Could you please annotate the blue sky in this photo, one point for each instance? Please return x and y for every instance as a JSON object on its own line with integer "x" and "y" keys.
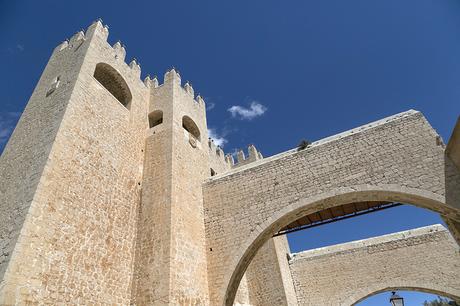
{"x": 411, "y": 298}
{"x": 272, "y": 72}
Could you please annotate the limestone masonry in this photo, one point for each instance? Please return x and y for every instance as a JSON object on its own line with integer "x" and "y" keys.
{"x": 111, "y": 193}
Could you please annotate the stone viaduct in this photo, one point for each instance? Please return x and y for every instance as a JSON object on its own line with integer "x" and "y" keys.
{"x": 112, "y": 193}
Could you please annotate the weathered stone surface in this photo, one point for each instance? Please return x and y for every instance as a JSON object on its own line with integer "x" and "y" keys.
{"x": 79, "y": 179}
{"x": 269, "y": 277}
{"x": 100, "y": 205}
{"x": 453, "y": 146}
{"x": 395, "y": 159}
{"x": 426, "y": 259}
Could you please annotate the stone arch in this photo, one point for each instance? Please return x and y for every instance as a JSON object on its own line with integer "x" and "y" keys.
{"x": 190, "y": 126}
{"x": 364, "y": 293}
{"x": 112, "y": 80}
{"x": 328, "y": 199}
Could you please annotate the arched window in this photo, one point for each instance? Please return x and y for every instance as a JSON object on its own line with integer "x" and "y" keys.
{"x": 113, "y": 82}
{"x": 190, "y": 126}
{"x": 155, "y": 118}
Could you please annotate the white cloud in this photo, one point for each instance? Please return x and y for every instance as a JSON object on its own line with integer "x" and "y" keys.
{"x": 210, "y": 105}
{"x": 255, "y": 110}
{"x": 18, "y": 48}
{"x": 219, "y": 140}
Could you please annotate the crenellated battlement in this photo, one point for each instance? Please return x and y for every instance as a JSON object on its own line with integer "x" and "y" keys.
{"x": 253, "y": 153}
{"x": 173, "y": 76}
{"x": 80, "y": 35}
{"x": 151, "y": 82}
{"x": 218, "y": 161}
{"x": 120, "y": 51}
{"x": 101, "y": 31}
{"x": 189, "y": 89}
{"x": 216, "y": 150}
{"x": 200, "y": 100}
{"x": 135, "y": 66}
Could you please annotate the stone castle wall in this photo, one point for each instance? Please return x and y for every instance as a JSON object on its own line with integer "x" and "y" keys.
{"x": 424, "y": 259}
{"x": 98, "y": 208}
{"x": 25, "y": 156}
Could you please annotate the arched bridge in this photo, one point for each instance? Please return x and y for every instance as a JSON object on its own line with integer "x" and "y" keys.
{"x": 397, "y": 159}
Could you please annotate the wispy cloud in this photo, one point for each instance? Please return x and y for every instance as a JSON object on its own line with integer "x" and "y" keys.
{"x": 18, "y": 48}
{"x": 219, "y": 139}
{"x": 210, "y": 105}
{"x": 7, "y": 122}
{"x": 255, "y": 110}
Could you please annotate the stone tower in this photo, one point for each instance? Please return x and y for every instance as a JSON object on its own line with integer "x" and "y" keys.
{"x": 171, "y": 263}
{"x": 102, "y": 177}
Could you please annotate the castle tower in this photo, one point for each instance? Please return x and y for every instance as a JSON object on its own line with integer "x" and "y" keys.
{"x": 70, "y": 179}
{"x": 100, "y": 184}
{"x": 171, "y": 257}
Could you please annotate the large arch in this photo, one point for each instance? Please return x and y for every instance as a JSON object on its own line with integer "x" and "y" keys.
{"x": 303, "y": 207}
{"x": 397, "y": 159}
{"x": 363, "y": 294}
{"x": 190, "y": 126}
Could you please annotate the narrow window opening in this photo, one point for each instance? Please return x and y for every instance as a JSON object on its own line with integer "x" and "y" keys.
{"x": 108, "y": 77}
{"x": 54, "y": 85}
{"x": 191, "y": 127}
{"x": 213, "y": 172}
{"x": 155, "y": 118}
